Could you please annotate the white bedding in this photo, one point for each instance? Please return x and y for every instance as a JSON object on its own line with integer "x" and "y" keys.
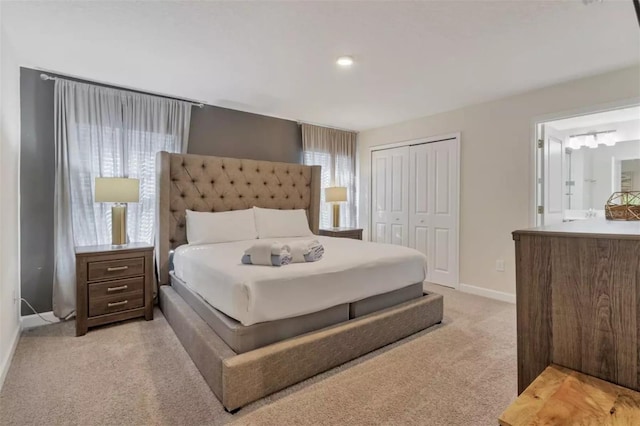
{"x": 350, "y": 270}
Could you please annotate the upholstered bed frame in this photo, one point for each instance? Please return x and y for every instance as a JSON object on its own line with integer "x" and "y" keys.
{"x": 215, "y": 184}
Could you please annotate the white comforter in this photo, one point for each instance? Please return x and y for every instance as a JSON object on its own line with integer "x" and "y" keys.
{"x": 350, "y": 270}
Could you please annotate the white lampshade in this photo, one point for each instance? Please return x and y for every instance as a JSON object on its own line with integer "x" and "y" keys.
{"x": 117, "y": 190}
{"x": 608, "y": 139}
{"x": 590, "y": 141}
{"x": 335, "y": 194}
{"x": 576, "y": 142}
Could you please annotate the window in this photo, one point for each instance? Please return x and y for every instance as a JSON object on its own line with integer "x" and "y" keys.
{"x": 104, "y": 132}
{"x": 102, "y": 153}
{"x": 335, "y": 151}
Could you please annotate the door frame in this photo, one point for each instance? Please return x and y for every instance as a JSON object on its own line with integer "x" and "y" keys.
{"x": 431, "y": 139}
{"x": 534, "y": 162}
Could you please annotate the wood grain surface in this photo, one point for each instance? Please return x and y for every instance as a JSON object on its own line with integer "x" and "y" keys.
{"x": 353, "y": 233}
{"x": 533, "y": 313}
{"x": 577, "y": 306}
{"x": 111, "y": 269}
{"x": 560, "y": 396}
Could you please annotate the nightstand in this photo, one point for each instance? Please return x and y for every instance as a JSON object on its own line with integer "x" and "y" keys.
{"x": 354, "y": 233}
{"x": 113, "y": 284}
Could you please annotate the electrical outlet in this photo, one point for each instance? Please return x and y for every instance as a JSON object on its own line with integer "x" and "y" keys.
{"x": 500, "y": 265}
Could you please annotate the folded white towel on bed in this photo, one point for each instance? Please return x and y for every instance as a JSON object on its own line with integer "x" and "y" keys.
{"x": 278, "y": 254}
{"x": 276, "y": 259}
{"x": 261, "y": 252}
{"x": 316, "y": 251}
{"x": 305, "y": 251}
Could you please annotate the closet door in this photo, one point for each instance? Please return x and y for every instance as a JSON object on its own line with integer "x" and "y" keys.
{"x": 420, "y": 202}
{"x": 390, "y": 196}
{"x": 433, "y": 208}
{"x": 444, "y": 269}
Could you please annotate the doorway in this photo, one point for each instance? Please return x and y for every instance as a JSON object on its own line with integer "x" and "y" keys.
{"x": 582, "y": 160}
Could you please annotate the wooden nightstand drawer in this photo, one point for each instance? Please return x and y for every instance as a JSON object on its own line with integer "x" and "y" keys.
{"x": 117, "y": 287}
{"x": 110, "y": 269}
{"x": 116, "y": 303}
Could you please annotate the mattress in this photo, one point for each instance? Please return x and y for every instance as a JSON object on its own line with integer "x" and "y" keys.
{"x": 242, "y": 338}
{"x": 350, "y": 271}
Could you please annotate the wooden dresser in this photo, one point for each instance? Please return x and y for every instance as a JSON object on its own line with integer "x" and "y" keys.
{"x": 577, "y": 292}
{"x": 113, "y": 284}
{"x": 354, "y": 233}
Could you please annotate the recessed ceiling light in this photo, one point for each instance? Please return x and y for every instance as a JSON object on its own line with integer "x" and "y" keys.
{"x": 345, "y": 61}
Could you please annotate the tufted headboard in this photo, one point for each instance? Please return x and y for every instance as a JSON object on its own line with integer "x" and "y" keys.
{"x": 216, "y": 184}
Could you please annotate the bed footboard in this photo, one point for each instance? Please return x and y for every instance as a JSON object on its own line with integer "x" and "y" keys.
{"x": 238, "y": 380}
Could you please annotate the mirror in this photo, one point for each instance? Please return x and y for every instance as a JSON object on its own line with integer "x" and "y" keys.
{"x": 630, "y": 175}
{"x": 593, "y": 174}
{"x": 582, "y": 160}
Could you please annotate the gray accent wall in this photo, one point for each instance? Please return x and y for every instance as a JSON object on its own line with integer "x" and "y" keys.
{"x": 214, "y": 131}
{"x": 37, "y": 157}
{"x": 230, "y": 133}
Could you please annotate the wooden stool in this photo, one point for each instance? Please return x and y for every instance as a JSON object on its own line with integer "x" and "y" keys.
{"x": 560, "y": 396}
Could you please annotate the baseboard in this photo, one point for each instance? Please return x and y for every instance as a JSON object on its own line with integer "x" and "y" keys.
{"x": 6, "y": 362}
{"x": 485, "y": 292}
{"x": 30, "y": 321}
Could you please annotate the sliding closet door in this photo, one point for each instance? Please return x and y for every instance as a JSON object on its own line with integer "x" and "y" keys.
{"x": 420, "y": 203}
{"x": 389, "y": 196}
{"x": 433, "y": 208}
{"x": 444, "y": 269}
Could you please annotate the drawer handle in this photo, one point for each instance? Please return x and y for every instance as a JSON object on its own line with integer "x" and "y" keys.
{"x": 122, "y": 287}
{"x": 117, "y": 268}
{"x": 111, "y": 305}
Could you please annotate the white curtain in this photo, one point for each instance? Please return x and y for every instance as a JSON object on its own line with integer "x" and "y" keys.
{"x": 102, "y": 132}
{"x": 334, "y": 150}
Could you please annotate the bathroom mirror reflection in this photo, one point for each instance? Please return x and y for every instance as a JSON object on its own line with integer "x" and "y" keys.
{"x": 593, "y": 174}
{"x": 630, "y": 175}
{"x": 583, "y": 160}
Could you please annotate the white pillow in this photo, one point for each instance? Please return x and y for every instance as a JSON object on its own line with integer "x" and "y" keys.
{"x": 272, "y": 223}
{"x": 222, "y": 227}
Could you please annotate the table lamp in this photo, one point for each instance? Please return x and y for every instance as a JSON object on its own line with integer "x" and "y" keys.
{"x": 335, "y": 195}
{"x": 118, "y": 191}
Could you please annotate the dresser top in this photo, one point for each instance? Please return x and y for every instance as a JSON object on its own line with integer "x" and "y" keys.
{"x": 592, "y": 228}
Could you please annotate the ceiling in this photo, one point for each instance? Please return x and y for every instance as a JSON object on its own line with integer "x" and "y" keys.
{"x": 412, "y": 58}
{"x": 598, "y": 119}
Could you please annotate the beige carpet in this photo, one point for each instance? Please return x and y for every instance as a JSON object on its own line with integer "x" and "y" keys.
{"x": 462, "y": 372}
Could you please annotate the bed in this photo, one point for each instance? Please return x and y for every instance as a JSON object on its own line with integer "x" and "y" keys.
{"x": 254, "y": 330}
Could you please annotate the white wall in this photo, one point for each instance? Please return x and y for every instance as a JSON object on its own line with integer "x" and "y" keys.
{"x": 497, "y": 165}
{"x": 9, "y": 226}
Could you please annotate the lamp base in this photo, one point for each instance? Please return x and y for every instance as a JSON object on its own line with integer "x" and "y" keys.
{"x": 336, "y": 215}
{"x": 119, "y": 225}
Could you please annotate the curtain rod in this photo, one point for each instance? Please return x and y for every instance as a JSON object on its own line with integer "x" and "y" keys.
{"x": 46, "y": 77}
{"x": 328, "y": 127}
